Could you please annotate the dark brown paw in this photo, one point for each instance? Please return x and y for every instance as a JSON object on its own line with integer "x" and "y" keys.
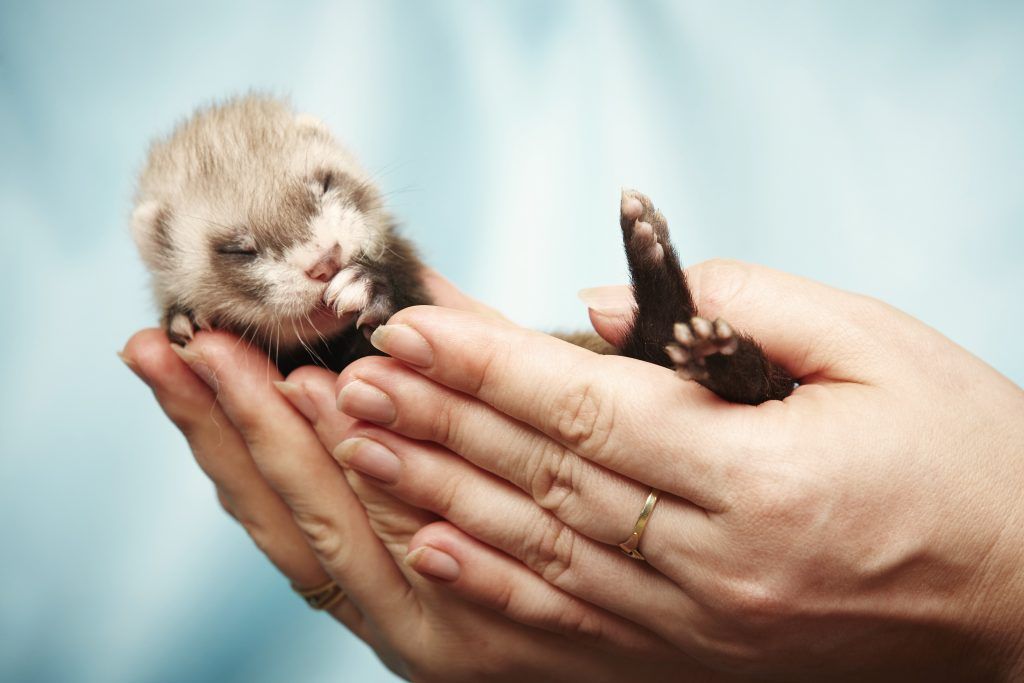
{"x": 695, "y": 341}
{"x": 180, "y": 327}
{"x": 644, "y": 230}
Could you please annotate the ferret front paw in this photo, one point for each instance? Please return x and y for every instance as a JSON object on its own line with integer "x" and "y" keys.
{"x": 180, "y": 326}
{"x": 348, "y": 292}
{"x": 353, "y": 290}
{"x": 695, "y": 341}
{"x": 381, "y": 308}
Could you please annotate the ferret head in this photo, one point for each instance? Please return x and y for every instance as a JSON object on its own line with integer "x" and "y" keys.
{"x": 248, "y": 216}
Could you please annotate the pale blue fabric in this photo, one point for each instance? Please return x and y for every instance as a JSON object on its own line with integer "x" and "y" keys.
{"x": 874, "y": 146}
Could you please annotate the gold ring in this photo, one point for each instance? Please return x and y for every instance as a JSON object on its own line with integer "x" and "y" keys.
{"x": 630, "y": 544}
{"x": 321, "y": 597}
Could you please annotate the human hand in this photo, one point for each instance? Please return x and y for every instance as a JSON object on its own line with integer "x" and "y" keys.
{"x": 870, "y": 523}
{"x": 274, "y": 477}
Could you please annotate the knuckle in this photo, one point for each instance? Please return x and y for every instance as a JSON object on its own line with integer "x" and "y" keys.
{"x": 785, "y": 498}
{"x": 550, "y": 550}
{"x": 441, "y": 429}
{"x": 753, "y": 601}
{"x": 261, "y": 536}
{"x": 583, "y": 418}
{"x": 445, "y": 497}
{"x": 552, "y": 474}
{"x": 494, "y": 361}
{"x": 323, "y": 537}
{"x": 503, "y": 599}
{"x": 226, "y": 505}
{"x": 580, "y": 622}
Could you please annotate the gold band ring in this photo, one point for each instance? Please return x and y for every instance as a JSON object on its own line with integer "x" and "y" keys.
{"x": 321, "y": 597}
{"x": 629, "y": 546}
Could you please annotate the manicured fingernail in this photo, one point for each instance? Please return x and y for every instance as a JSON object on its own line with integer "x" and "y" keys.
{"x": 365, "y": 402}
{"x": 300, "y": 400}
{"x": 370, "y": 458}
{"x": 404, "y": 343}
{"x": 434, "y": 563}
{"x": 612, "y": 300}
{"x": 132, "y": 365}
{"x": 198, "y": 365}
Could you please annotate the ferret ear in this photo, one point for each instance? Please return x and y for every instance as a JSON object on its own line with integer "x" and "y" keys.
{"x": 151, "y": 231}
{"x": 312, "y": 124}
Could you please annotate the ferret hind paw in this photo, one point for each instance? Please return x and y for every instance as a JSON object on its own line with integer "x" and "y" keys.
{"x": 644, "y": 228}
{"x": 695, "y": 341}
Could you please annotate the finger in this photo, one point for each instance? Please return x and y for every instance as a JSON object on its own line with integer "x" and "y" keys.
{"x": 612, "y": 311}
{"x": 483, "y": 575}
{"x": 311, "y": 390}
{"x": 594, "y": 501}
{"x": 795, "y": 319}
{"x": 223, "y": 456}
{"x": 591, "y": 404}
{"x": 343, "y": 609}
{"x": 497, "y": 514}
{"x": 289, "y": 456}
{"x": 813, "y": 330}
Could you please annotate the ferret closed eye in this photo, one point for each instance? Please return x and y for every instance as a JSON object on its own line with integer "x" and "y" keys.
{"x": 255, "y": 220}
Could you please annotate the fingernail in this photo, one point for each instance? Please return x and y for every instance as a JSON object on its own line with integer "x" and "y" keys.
{"x": 404, "y": 343}
{"x": 370, "y": 458}
{"x": 433, "y": 562}
{"x": 300, "y": 400}
{"x": 132, "y": 365}
{"x": 364, "y": 402}
{"x": 611, "y": 300}
{"x": 198, "y": 365}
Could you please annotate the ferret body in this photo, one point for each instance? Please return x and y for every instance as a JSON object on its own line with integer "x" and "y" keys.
{"x": 255, "y": 220}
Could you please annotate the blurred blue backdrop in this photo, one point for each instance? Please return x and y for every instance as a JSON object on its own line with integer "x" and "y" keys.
{"x": 875, "y": 146}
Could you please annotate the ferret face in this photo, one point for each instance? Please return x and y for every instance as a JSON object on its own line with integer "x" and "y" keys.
{"x": 250, "y": 219}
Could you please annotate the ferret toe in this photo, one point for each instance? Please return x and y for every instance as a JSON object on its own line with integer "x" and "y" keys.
{"x": 630, "y": 206}
{"x": 347, "y": 292}
{"x": 181, "y": 329}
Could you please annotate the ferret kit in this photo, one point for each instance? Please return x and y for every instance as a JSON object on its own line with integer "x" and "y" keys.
{"x": 255, "y": 220}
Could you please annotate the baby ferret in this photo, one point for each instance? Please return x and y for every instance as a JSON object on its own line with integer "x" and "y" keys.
{"x": 254, "y": 219}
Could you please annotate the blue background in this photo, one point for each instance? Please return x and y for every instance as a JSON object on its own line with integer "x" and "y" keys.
{"x": 875, "y": 146}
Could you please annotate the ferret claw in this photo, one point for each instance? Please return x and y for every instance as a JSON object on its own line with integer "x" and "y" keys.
{"x": 367, "y": 318}
{"x": 181, "y": 329}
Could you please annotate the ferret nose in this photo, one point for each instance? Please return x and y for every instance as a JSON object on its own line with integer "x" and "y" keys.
{"x": 327, "y": 267}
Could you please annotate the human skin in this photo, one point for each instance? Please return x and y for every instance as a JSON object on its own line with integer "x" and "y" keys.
{"x": 276, "y": 479}
{"x": 870, "y": 524}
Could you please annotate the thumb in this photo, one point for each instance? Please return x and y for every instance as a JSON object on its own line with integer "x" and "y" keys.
{"x": 813, "y": 330}
{"x": 612, "y": 310}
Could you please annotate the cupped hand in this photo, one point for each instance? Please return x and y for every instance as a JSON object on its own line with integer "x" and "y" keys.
{"x": 273, "y": 476}
{"x": 870, "y": 523}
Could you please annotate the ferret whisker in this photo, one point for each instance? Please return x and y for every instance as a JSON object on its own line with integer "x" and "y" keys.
{"x": 315, "y": 328}
{"x": 277, "y": 351}
{"x": 309, "y": 349}
{"x": 241, "y": 337}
